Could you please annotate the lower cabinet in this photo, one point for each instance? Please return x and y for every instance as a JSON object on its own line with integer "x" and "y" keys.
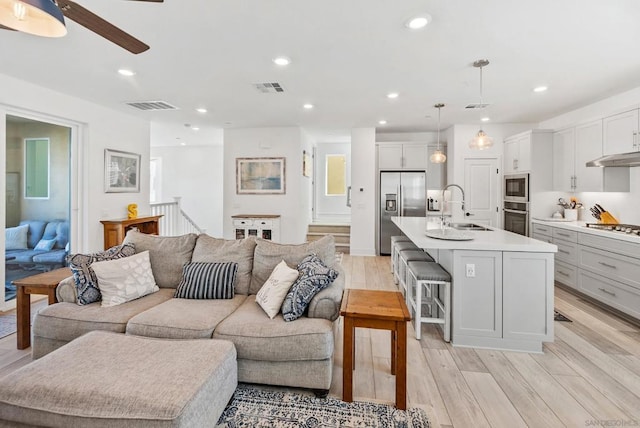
{"x": 610, "y": 292}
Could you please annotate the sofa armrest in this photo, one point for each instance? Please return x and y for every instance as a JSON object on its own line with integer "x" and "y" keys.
{"x": 66, "y": 291}
{"x": 326, "y": 304}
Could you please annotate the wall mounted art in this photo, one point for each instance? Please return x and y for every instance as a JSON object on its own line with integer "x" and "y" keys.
{"x": 260, "y": 176}
{"x": 121, "y": 172}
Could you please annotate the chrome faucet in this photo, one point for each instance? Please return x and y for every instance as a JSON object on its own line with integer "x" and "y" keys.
{"x": 443, "y": 201}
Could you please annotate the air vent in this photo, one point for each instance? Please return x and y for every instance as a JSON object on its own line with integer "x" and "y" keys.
{"x": 269, "y": 88}
{"x": 477, "y": 106}
{"x": 152, "y": 105}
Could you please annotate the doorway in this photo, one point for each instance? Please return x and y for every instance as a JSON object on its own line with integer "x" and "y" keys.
{"x": 38, "y": 183}
{"x": 332, "y": 183}
{"x": 481, "y": 188}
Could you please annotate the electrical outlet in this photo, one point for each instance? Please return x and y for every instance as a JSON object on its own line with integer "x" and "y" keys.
{"x": 471, "y": 270}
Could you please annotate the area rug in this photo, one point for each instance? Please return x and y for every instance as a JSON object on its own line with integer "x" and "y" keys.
{"x": 251, "y": 406}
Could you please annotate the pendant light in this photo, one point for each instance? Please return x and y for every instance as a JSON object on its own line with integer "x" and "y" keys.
{"x": 481, "y": 140}
{"x": 438, "y": 156}
{"x": 37, "y": 17}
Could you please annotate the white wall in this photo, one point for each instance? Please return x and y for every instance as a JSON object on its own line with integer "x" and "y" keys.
{"x": 363, "y": 191}
{"x": 294, "y": 206}
{"x": 195, "y": 173}
{"x": 624, "y": 206}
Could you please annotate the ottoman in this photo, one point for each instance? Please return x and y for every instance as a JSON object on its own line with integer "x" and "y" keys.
{"x": 105, "y": 379}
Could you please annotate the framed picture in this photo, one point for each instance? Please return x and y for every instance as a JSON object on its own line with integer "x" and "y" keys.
{"x": 306, "y": 164}
{"x": 121, "y": 172}
{"x": 260, "y": 176}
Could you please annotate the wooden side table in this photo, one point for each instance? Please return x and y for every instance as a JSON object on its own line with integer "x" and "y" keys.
{"x": 384, "y": 310}
{"x": 42, "y": 283}
{"x": 116, "y": 230}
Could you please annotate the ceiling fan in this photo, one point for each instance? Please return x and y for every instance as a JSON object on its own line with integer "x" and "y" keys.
{"x": 44, "y": 18}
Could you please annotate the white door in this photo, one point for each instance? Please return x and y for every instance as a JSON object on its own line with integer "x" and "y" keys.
{"x": 332, "y": 183}
{"x": 481, "y": 190}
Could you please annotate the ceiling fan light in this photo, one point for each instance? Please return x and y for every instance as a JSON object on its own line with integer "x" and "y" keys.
{"x": 438, "y": 157}
{"x": 37, "y": 17}
{"x": 481, "y": 141}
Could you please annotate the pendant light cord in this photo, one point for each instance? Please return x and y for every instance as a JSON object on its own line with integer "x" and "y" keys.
{"x": 439, "y": 127}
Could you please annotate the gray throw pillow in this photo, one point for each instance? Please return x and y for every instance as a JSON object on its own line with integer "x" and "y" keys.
{"x": 314, "y": 277}
{"x": 85, "y": 278}
{"x": 202, "y": 280}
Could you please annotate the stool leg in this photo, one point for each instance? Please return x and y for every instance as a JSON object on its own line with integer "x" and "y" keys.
{"x": 418, "y": 316}
{"x": 447, "y": 312}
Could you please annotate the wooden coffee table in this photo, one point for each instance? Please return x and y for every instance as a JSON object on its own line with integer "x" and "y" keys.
{"x": 42, "y": 283}
{"x": 384, "y": 310}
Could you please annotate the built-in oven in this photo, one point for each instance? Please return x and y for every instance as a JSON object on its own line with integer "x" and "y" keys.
{"x": 516, "y": 217}
{"x": 516, "y": 187}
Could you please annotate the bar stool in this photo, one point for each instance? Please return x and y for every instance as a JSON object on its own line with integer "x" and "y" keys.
{"x": 406, "y": 256}
{"x": 395, "y": 253}
{"x": 431, "y": 276}
{"x": 394, "y": 240}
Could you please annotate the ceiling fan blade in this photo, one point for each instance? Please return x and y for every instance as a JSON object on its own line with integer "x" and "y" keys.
{"x": 93, "y": 22}
{"x": 2, "y": 27}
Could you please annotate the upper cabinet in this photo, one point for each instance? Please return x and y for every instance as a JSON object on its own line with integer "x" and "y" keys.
{"x": 399, "y": 156}
{"x": 572, "y": 149}
{"x": 621, "y": 133}
{"x": 517, "y": 153}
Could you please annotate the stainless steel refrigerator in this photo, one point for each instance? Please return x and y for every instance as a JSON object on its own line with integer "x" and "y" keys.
{"x": 401, "y": 194}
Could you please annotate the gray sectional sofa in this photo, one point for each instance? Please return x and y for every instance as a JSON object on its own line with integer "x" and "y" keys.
{"x": 269, "y": 351}
{"x": 57, "y": 230}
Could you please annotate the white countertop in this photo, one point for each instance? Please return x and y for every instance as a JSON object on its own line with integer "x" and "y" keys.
{"x": 490, "y": 240}
{"x": 579, "y": 226}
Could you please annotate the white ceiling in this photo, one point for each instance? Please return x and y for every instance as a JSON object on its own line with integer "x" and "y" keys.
{"x": 346, "y": 56}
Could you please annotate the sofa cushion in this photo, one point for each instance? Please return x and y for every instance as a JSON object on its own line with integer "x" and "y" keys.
{"x": 15, "y": 238}
{"x": 125, "y": 279}
{"x": 273, "y": 292}
{"x": 167, "y": 253}
{"x": 50, "y": 257}
{"x": 23, "y": 256}
{"x": 268, "y": 254}
{"x": 202, "y": 280}
{"x": 257, "y": 337}
{"x": 66, "y": 321}
{"x": 62, "y": 235}
{"x": 85, "y": 277}
{"x": 314, "y": 277}
{"x": 45, "y": 244}
{"x": 36, "y": 231}
{"x": 183, "y": 319}
{"x": 210, "y": 249}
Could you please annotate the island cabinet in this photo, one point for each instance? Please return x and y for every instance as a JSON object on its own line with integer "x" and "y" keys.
{"x": 503, "y": 299}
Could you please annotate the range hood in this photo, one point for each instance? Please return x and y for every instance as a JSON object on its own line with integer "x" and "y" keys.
{"x": 623, "y": 159}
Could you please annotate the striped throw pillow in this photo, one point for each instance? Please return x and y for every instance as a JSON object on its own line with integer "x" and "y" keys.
{"x": 207, "y": 281}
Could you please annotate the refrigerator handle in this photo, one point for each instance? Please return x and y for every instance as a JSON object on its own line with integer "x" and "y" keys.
{"x": 400, "y": 202}
{"x": 349, "y": 196}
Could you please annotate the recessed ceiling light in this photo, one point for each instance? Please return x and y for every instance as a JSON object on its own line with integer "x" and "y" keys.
{"x": 281, "y": 61}
{"x": 540, "y": 89}
{"x": 126, "y": 72}
{"x": 485, "y": 119}
{"x": 392, "y": 95}
{"x": 183, "y": 144}
{"x": 308, "y": 106}
{"x": 418, "y": 22}
{"x": 201, "y": 110}
{"x": 382, "y": 122}
{"x": 195, "y": 128}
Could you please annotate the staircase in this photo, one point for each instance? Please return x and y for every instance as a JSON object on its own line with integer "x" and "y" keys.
{"x": 341, "y": 233}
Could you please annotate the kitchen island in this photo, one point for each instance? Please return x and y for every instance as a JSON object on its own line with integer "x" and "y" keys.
{"x": 502, "y": 285}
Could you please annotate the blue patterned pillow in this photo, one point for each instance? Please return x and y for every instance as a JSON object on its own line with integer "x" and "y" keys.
{"x": 314, "y": 277}
{"x": 202, "y": 280}
{"x": 85, "y": 278}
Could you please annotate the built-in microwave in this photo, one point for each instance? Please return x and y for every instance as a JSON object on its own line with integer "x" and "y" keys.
{"x": 516, "y": 187}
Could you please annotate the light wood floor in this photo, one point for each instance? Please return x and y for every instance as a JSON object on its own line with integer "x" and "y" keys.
{"x": 589, "y": 376}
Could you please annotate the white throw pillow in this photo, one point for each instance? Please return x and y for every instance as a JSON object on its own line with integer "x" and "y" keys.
{"x": 15, "y": 238}
{"x": 275, "y": 289}
{"x": 124, "y": 279}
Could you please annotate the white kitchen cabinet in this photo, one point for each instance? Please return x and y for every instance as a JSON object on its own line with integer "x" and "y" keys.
{"x": 620, "y": 132}
{"x": 402, "y": 156}
{"x": 517, "y": 154}
{"x": 572, "y": 149}
{"x": 436, "y": 172}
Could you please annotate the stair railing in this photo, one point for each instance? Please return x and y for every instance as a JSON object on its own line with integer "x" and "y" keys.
{"x": 174, "y": 221}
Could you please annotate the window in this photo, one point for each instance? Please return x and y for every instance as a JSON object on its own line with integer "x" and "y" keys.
{"x": 36, "y": 168}
{"x": 336, "y": 182}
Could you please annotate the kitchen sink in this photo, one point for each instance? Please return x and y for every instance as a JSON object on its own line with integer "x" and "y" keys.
{"x": 469, "y": 226}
